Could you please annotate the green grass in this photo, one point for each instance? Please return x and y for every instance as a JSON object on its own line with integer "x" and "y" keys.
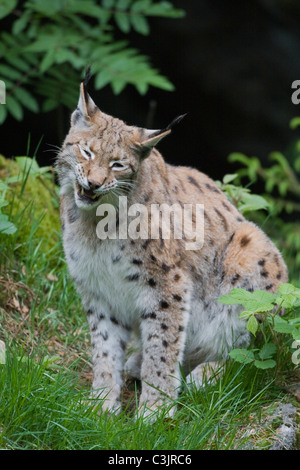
{"x": 45, "y": 408}
{"x": 46, "y": 380}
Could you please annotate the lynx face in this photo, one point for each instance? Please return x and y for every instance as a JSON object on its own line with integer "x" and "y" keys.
{"x": 92, "y": 167}
{"x": 98, "y": 172}
{"x": 101, "y": 154}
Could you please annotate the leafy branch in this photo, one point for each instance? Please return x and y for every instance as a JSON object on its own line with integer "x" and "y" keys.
{"x": 26, "y": 167}
{"x": 242, "y": 197}
{"x": 51, "y": 43}
{"x": 281, "y": 180}
{"x": 262, "y": 309}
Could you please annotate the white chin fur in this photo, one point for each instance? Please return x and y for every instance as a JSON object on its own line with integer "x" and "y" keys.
{"x": 85, "y": 205}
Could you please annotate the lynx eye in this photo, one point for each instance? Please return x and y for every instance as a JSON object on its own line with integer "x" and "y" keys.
{"x": 86, "y": 153}
{"x": 118, "y": 166}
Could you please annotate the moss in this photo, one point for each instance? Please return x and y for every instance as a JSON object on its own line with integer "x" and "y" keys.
{"x": 33, "y": 204}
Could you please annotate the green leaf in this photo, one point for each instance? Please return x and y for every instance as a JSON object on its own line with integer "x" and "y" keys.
{"x": 165, "y": 9}
{"x": 256, "y": 302}
{"x": 236, "y": 296}
{"x": 3, "y": 203}
{"x": 252, "y": 325}
{"x": 142, "y": 87}
{"x": 108, "y": 3}
{"x": 267, "y": 364}
{"x": 239, "y": 157}
{"x": 49, "y": 362}
{"x": 14, "y": 108}
{"x": 18, "y": 63}
{"x": 286, "y": 288}
{"x": 47, "y": 8}
{"x": 140, "y": 24}
{"x": 30, "y": 165}
{"x": 48, "y": 105}
{"x": 48, "y": 60}
{"x": 280, "y": 158}
{"x": 118, "y": 85}
{"x": 267, "y": 351}
{"x": 6, "y": 7}
{"x": 6, "y": 226}
{"x": 123, "y": 22}
{"x": 27, "y": 99}
{"x": 123, "y": 4}
{"x": 14, "y": 179}
{"x": 296, "y": 334}
{"x": 20, "y": 24}
{"x": 243, "y": 356}
{"x": 9, "y": 72}
{"x": 3, "y": 113}
{"x": 245, "y": 315}
{"x": 102, "y": 79}
{"x": 27, "y": 164}
{"x": 141, "y": 6}
{"x": 160, "y": 81}
{"x": 295, "y": 122}
{"x": 253, "y": 202}
{"x": 4, "y": 185}
{"x": 288, "y": 300}
{"x": 87, "y": 7}
{"x": 46, "y": 42}
{"x": 229, "y": 178}
{"x": 283, "y": 326}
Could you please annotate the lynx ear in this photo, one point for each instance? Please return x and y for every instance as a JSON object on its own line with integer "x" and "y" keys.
{"x": 154, "y": 136}
{"x": 86, "y": 106}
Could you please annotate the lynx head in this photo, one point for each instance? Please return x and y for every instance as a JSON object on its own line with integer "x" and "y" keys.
{"x": 101, "y": 154}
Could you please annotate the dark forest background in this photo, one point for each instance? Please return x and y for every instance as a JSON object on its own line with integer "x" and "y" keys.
{"x": 232, "y": 64}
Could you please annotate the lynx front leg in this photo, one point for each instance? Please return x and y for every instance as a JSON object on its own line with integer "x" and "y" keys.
{"x": 108, "y": 340}
{"x": 163, "y": 337}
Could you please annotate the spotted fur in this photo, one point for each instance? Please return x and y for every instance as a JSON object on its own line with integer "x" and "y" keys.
{"x": 153, "y": 290}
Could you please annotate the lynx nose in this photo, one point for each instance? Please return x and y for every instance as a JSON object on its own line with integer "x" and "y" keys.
{"x": 94, "y": 184}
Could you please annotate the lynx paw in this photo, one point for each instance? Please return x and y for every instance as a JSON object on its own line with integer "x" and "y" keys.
{"x": 109, "y": 401}
{"x": 149, "y": 410}
{"x": 204, "y": 374}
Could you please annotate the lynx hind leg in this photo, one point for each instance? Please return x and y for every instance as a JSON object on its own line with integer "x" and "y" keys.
{"x": 252, "y": 261}
{"x": 133, "y": 364}
{"x": 205, "y": 373}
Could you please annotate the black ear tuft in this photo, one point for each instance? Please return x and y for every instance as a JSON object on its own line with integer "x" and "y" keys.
{"x": 87, "y": 76}
{"x": 175, "y": 121}
{"x": 86, "y": 80}
{"x": 170, "y": 126}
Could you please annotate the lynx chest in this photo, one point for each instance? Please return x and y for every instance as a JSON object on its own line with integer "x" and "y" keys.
{"x": 105, "y": 277}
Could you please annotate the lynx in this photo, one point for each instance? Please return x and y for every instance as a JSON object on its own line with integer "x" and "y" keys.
{"x": 153, "y": 290}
